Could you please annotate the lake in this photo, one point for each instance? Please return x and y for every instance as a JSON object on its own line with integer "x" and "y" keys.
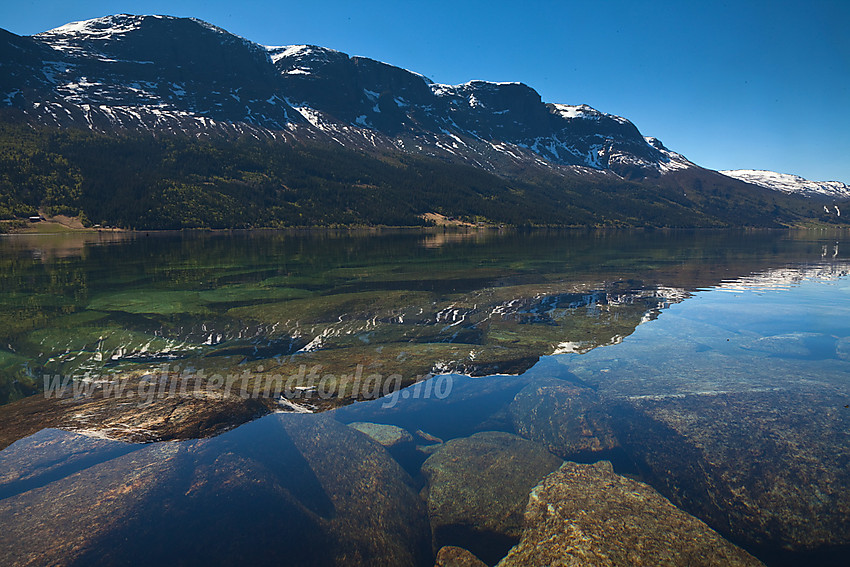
{"x": 374, "y": 397}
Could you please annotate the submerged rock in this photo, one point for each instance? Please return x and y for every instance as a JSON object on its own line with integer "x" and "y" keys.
{"x": 478, "y": 487}
{"x": 793, "y": 345}
{"x": 842, "y": 348}
{"x": 586, "y": 515}
{"x": 386, "y": 435}
{"x": 566, "y": 418}
{"x": 770, "y": 469}
{"x": 302, "y": 490}
{"x": 451, "y": 556}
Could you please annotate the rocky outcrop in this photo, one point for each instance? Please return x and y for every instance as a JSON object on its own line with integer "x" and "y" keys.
{"x": 478, "y": 487}
{"x": 566, "y": 418}
{"x": 586, "y": 515}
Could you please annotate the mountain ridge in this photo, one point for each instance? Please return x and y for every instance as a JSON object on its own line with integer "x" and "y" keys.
{"x": 126, "y": 75}
{"x": 105, "y": 70}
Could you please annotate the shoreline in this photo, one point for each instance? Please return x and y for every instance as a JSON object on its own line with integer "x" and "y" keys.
{"x": 52, "y": 227}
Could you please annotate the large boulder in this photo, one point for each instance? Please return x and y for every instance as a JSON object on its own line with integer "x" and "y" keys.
{"x": 566, "y": 418}
{"x": 586, "y": 516}
{"x": 767, "y": 468}
{"x": 287, "y": 488}
{"x": 478, "y": 487}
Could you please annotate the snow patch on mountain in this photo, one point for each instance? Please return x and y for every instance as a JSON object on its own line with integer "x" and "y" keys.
{"x": 788, "y": 183}
{"x": 98, "y": 28}
{"x": 671, "y": 161}
{"x": 570, "y": 111}
{"x": 308, "y": 52}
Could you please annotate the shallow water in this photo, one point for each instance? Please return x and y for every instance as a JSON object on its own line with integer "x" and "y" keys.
{"x": 713, "y": 366}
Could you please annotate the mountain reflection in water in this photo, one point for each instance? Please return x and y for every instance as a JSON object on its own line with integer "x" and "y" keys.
{"x": 721, "y": 382}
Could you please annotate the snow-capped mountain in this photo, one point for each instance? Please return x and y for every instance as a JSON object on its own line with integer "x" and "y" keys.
{"x": 788, "y": 183}
{"x": 167, "y": 74}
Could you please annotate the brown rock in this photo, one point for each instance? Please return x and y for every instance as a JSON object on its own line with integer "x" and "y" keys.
{"x": 478, "y": 487}
{"x": 451, "y": 556}
{"x": 768, "y": 468}
{"x": 586, "y": 515}
{"x": 566, "y": 418}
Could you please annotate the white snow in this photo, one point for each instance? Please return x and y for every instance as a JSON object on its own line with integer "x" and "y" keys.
{"x": 314, "y": 52}
{"x": 577, "y": 111}
{"x": 278, "y": 53}
{"x": 788, "y": 183}
{"x": 674, "y": 161}
{"x": 97, "y": 28}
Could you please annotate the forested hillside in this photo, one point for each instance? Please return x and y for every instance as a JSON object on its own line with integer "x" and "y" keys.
{"x": 139, "y": 181}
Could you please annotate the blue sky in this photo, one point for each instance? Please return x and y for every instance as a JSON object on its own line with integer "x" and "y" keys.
{"x": 731, "y": 85}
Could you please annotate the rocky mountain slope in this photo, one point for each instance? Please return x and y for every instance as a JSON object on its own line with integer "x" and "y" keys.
{"x": 164, "y": 73}
{"x": 127, "y": 74}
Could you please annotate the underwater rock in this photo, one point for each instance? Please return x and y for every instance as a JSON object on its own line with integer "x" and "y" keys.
{"x": 429, "y": 449}
{"x": 793, "y": 345}
{"x": 287, "y": 488}
{"x": 760, "y": 467}
{"x": 52, "y": 454}
{"x": 451, "y": 556}
{"x": 386, "y": 435}
{"x": 478, "y": 487}
{"x": 842, "y": 348}
{"x": 425, "y": 436}
{"x": 586, "y": 515}
{"x": 566, "y": 418}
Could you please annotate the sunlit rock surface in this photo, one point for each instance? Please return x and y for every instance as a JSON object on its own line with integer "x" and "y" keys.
{"x": 586, "y": 515}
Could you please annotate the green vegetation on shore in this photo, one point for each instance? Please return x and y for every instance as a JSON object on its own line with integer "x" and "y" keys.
{"x": 138, "y": 181}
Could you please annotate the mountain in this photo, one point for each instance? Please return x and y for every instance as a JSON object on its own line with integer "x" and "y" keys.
{"x": 788, "y": 183}
{"x": 164, "y": 73}
{"x": 492, "y": 146}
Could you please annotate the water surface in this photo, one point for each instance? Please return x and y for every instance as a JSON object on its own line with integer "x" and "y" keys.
{"x": 712, "y": 365}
